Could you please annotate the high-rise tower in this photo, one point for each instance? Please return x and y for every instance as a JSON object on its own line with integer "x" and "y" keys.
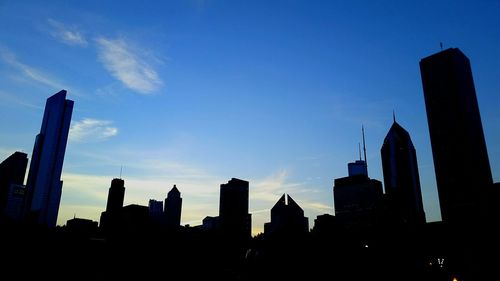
{"x": 44, "y": 185}
{"x": 173, "y": 207}
{"x": 401, "y": 179}
{"x": 460, "y": 157}
{"x": 235, "y": 221}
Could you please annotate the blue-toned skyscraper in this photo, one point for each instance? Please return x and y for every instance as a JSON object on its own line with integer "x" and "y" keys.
{"x": 44, "y": 185}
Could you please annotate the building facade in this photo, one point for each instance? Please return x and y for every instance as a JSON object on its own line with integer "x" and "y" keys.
{"x": 401, "y": 178}
{"x": 461, "y": 162}
{"x": 173, "y": 207}
{"x": 44, "y": 185}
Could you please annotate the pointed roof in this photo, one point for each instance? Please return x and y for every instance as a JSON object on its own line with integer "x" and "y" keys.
{"x": 174, "y": 190}
{"x": 397, "y": 132}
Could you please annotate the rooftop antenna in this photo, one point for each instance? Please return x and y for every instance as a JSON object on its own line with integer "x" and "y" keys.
{"x": 359, "y": 148}
{"x": 441, "y": 45}
{"x": 121, "y": 169}
{"x": 364, "y": 145}
{"x": 393, "y": 116}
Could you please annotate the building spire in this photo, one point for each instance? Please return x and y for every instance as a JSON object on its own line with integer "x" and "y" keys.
{"x": 359, "y": 149}
{"x": 121, "y": 169}
{"x": 393, "y": 116}
{"x": 364, "y": 145}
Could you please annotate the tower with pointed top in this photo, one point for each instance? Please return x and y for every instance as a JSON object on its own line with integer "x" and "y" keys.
{"x": 287, "y": 219}
{"x": 401, "y": 178}
{"x": 173, "y": 208}
{"x": 461, "y": 164}
{"x": 44, "y": 185}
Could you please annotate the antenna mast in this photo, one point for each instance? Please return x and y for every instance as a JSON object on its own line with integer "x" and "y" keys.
{"x": 359, "y": 149}
{"x": 121, "y": 168}
{"x": 364, "y": 145}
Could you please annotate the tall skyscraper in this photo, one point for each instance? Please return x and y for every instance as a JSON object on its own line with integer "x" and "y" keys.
{"x": 234, "y": 219}
{"x": 458, "y": 147}
{"x": 44, "y": 185}
{"x": 401, "y": 179}
{"x": 173, "y": 207}
{"x": 116, "y": 195}
{"x": 114, "y": 205}
{"x": 12, "y": 171}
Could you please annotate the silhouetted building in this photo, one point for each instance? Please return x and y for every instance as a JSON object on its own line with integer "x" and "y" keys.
{"x": 458, "y": 146}
{"x": 12, "y": 171}
{"x": 44, "y": 185}
{"x": 156, "y": 210}
{"x": 401, "y": 179}
{"x": 133, "y": 218}
{"x": 210, "y": 223}
{"x": 81, "y": 226}
{"x": 235, "y": 221}
{"x": 15, "y": 202}
{"x": 287, "y": 219}
{"x": 325, "y": 224}
{"x": 173, "y": 207}
{"x": 356, "y": 200}
{"x": 116, "y": 195}
{"x": 357, "y": 167}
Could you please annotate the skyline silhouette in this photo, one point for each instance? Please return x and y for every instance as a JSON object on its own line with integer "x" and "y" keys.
{"x": 280, "y": 107}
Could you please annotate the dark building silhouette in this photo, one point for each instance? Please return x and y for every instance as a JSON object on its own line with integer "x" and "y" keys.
{"x": 173, "y": 208}
{"x": 234, "y": 219}
{"x": 324, "y": 224}
{"x": 15, "y": 202}
{"x": 357, "y": 197}
{"x": 401, "y": 178}
{"x": 287, "y": 219}
{"x": 116, "y": 195}
{"x": 459, "y": 150}
{"x": 81, "y": 226}
{"x": 132, "y": 219}
{"x": 156, "y": 210}
{"x": 44, "y": 185}
{"x": 210, "y": 223}
{"x": 12, "y": 171}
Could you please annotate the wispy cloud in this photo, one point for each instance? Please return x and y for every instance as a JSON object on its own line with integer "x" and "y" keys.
{"x": 128, "y": 66}
{"x": 67, "y": 34}
{"x": 91, "y": 130}
{"x": 28, "y": 71}
{"x": 12, "y": 99}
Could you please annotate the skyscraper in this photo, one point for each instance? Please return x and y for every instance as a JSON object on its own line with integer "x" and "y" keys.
{"x": 401, "y": 179}
{"x": 356, "y": 197}
{"x": 44, "y": 185}
{"x": 114, "y": 205}
{"x": 458, "y": 147}
{"x": 116, "y": 195}
{"x": 235, "y": 221}
{"x": 12, "y": 171}
{"x": 173, "y": 207}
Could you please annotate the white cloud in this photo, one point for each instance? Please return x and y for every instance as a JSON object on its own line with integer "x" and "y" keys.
{"x": 67, "y": 34}
{"x": 92, "y": 130}
{"x": 127, "y": 66}
{"x": 28, "y": 71}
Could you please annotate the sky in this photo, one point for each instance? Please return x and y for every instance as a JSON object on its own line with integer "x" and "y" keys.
{"x": 196, "y": 92}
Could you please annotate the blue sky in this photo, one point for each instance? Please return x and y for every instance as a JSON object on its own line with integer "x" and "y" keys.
{"x": 194, "y": 93}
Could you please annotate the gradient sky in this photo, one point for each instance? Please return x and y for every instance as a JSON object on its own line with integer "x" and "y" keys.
{"x": 194, "y": 93}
